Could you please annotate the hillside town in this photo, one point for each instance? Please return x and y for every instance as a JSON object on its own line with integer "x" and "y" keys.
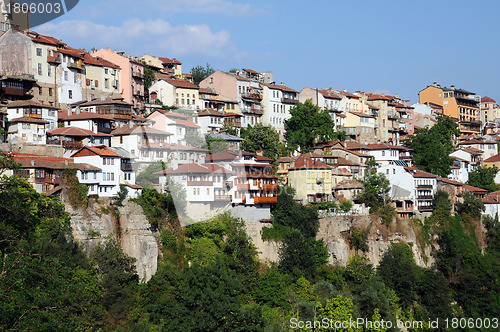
{"x": 109, "y": 115}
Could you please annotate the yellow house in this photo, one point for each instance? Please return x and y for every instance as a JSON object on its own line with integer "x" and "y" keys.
{"x": 312, "y": 180}
{"x": 493, "y": 161}
{"x": 459, "y": 104}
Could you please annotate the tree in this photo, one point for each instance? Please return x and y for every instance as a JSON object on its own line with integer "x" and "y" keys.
{"x": 261, "y": 138}
{"x": 399, "y": 272}
{"x": 216, "y": 144}
{"x": 375, "y": 193}
{"x": 192, "y": 138}
{"x": 199, "y": 73}
{"x": 433, "y": 146}
{"x": 484, "y": 178}
{"x": 307, "y": 126}
{"x": 149, "y": 78}
{"x": 297, "y": 256}
{"x": 472, "y": 205}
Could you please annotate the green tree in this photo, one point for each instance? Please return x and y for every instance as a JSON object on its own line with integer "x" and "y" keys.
{"x": 148, "y": 178}
{"x": 484, "y": 178}
{"x": 471, "y": 205}
{"x": 297, "y": 256}
{"x": 399, "y": 272}
{"x": 261, "y": 138}
{"x": 345, "y": 205}
{"x": 199, "y": 73}
{"x": 307, "y": 126}
{"x": 149, "y": 78}
{"x": 375, "y": 193}
{"x": 358, "y": 270}
{"x": 216, "y": 144}
{"x": 433, "y": 146}
{"x": 192, "y": 138}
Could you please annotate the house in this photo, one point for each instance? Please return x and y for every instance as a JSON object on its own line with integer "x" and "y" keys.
{"x": 277, "y": 100}
{"x": 18, "y": 76}
{"x": 107, "y": 181}
{"x": 239, "y": 181}
{"x": 27, "y": 130}
{"x": 117, "y": 110}
{"x": 347, "y": 190}
{"x": 29, "y": 108}
{"x": 175, "y": 92}
{"x": 171, "y": 122}
{"x": 311, "y": 179}
{"x": 360, "y": 127}
{"x": 326, "y": 99}
{"x": 233, "y": 142}
{"x": 102, "y": 78}
{"x": 131, "y": 78}
{"x": 490, "y": 112}
{"x": 491, "y": 203}
{"x": 489, "y": 148}
{"x": 45, "y": 173}
{"x": 461, "y": 105}
{"x": 73, "y": 138}
{"x": 94, "y": 122}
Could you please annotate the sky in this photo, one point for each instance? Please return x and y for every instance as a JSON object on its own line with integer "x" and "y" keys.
{"x": 392, "y": 47}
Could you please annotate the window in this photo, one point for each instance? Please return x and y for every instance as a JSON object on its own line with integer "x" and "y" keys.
{"x": 105, "y": 70}
{"x": 65, "y": 75}
{"x": 70, "y": 94}
{"x": 40, "y": 91}
{"x": 49, "y": 70}
{"x": 39, "y": 69}
{"x": 39, "y": 52}
{"x": 106, "y": 83}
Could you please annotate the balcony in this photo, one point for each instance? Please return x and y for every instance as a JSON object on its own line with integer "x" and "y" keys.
{"x": 392, "y": 115}
{"x": 265, "y": 200}
{"x": 137, "y": 74}
{"x": 222, "y": 197}
{"x": 257, "y": 96}
{"x": 350, "y": 131}
{"x": 76, "y": 65}
{"x": 54, "y": 59}
{"x": 228, "y": 184}
{"x": 425, "y": 197}
{"x": 200, "y": 183}
{"x": 289, "y": 101}
{"x": 104, "y": 130}
{"x": 47, "y": 180}
{"x": 72, "y": 145}
{"x": 269, "y": 187}
{"x": 126, "y": 167}
{"x": 425, "y": 208}
{"x": 424, "y": 186}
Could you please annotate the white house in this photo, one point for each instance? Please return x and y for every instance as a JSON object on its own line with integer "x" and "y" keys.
{"x": 29, "y": 108}
{"x": 27, "y": 130}
{"x": 174, "y": 123}
{"x": 109, "y": 163}
{"x": 277, "y": 100}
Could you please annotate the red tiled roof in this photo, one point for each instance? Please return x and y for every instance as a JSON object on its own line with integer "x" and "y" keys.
{"x": 133, "y": 186}
{"x": 251, "y": 71}
{"x": 488, "y": 100}
{"x": 349, "y": 184}
{"x": 222, "y": 155}
{"x": 475, "y": 189}
{"x": 187, "y": 168}
{"x": 384, "y": 146}
{"x": 372, "y": 106}
{"x": 472, "y": 151}
{"x": 44, "y": 39}
{"x": 74, "y": 131}
{"x": 209, "y": 111}
{"x": 27, "y": 119}
{"x": 167, "y": 60}
{"x": 279, "y": 87}
{"x": 184, "y": 84}
{"x": 25, "y": 103}
{"x": 28, "y": 160}
{"x": 100, "y": 150}
{"x": 362, "y": 114}
{"x": 422, "y": 174}
{"x": 347, "y": 94}
{"x": 207, "y": 91}
{"x": 307, "y": 163}
{"x": 329, "y": 93}
{"x": 493, "y": 159}
{"x": 449, "y": 181}
{"x": 138, "y": 130}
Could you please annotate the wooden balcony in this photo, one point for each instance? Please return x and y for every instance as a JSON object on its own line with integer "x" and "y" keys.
{"x": 289, "y": 101}
{"x": 54, "y": 59}
{"x": 269, "y": 187}
{"x": 47, "y": 180}
{"x": 265, "y": 200}
{"x": 252, "y": 96}
{"x": 425, "y": 208}
{"x": 76, "y": 65}
{"x": 72, "y": 144}
{"x": 425, "y": 197}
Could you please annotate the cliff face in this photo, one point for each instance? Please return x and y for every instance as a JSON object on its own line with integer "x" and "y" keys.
{"x": 335, "y": 232}
{"x": 130, "y": 227}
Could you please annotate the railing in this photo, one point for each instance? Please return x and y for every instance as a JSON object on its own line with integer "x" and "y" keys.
{"x": 47, "y": 180}
{"x": 76, "y": 65}
{"x": 272, "y": 187}
{"x": 72, "y": 144}
{"x": 392, "y": 115}
{"x": 104, "y": 130}
{"x": 425, "y": 208}
{"x": 137, "y": 74}
{"x": 289, "y": 100}
{"x": 262, "y": 200}
{"x": 126, "y": 167}
{"x": 425, "y": 197}
{"x": 424, "y": 186}
{"x": 53, "y": 59}
{"x": 251, "y": 95}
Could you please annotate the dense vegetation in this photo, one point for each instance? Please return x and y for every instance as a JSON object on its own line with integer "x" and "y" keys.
{"x": 209, "y": 277}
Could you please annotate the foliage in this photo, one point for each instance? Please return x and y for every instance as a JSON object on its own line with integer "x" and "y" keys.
{"x": 307, "y": 126}
{"x": 358, "y": 270}
{"x": 288, "y": 212}
{"x": 338, "y": 309}
{"x": 275, "y": 233}
{"x": 215, "y": 144}
{"x": 441, "y": 204}
{"x": 345, "y": 205}
{"x": 296, "y": 255}
{"x": 399, "y": 272}
{"x": 77, "y": 192}
{"x": 147, "y": 178}
{"x": 387, "y": 213}
{"x": 158, "y": 208}
{"x": 375, "y": 191}
{"x": 199, "y": 73}
{"x": 261, "y": 138}
{"x": 271, "y": 288}
{"x": 149, "y": 78}
{"x": 7, "y": 162}
{"x": 484, "y": 178}
{"x": 358, "y": 239}
{"x": 192, "y": 138}
{"x": 122, "y": 195}
{"x": 471, "y": 205}
{"x": 433, "y": 146}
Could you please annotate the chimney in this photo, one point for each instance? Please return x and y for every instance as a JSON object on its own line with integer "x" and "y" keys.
{"x": 32, "y": 162}
{"x": 259, "y": 153}
{"x": 283, "y": 83}
{"x": 435, "y": 84}
{"x": 452, "y": 87}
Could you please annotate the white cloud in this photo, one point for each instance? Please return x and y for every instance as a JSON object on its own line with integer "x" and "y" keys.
{"x": 138, "y": 37}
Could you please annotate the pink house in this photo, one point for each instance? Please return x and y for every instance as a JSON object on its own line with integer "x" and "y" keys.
{"x": 132, "y": 76}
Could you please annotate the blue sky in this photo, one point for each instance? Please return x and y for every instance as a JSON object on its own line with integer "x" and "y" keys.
{"x": 374, "y": 46}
